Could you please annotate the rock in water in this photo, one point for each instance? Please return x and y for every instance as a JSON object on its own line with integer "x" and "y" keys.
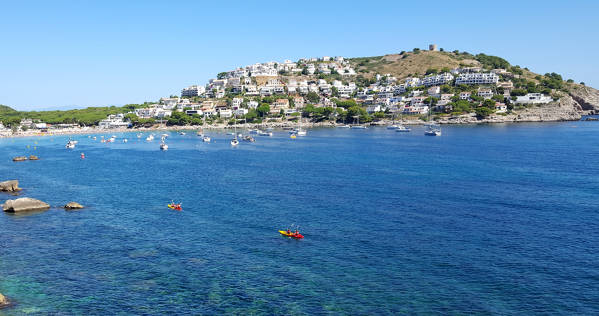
{"x": 33, "y": 157}
{"x": 3, "y": 301}
{"x": 10, "y": 186}
{"x": 20, "y": 158}
{"x": 73, "y": 206}
{"x": 24, "y": 204}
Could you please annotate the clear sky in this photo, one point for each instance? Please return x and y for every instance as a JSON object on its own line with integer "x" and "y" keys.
{"x": 93, "y": 53}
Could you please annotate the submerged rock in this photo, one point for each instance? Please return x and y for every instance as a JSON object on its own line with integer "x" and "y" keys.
{"x": 33, "y": 157}
{"x": 3, "y": 301}
{"x": 10, "y": 186}
{"x": 19, "y": 158}
{"x": 73, "y": 206}
{"x": 24, "y": 204}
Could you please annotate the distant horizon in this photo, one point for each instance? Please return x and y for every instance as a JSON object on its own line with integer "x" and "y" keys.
{"x": 66, "y": 55}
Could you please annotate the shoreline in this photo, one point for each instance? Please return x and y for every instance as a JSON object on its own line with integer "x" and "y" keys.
{"x": 461, "y": 120}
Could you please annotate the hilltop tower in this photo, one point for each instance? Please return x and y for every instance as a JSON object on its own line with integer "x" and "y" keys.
{"x": 432, "y": 47}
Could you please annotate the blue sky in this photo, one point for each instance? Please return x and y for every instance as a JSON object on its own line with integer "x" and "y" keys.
{"x": 93, "y": 53}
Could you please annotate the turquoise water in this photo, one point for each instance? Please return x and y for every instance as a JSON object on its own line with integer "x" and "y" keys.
{"x": 497, "y": 219}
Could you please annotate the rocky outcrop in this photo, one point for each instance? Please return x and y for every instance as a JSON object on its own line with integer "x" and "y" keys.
{"x": 19, "y": 158}
{"x": 4, "y": 302}
{"x": 33, "y": 157}
{"x": 565, "y": 109}
{"x": 24, "y": 205}
{"x": 586, "y": 97}
{"x": 10, "y": 186}
{"x": 73, "y": 206}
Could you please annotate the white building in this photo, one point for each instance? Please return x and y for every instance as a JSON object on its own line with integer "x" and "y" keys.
{"x": 193, "y": 91}
{"x": 533, "y": 98}
{"x": 114, "y": 121}
{"x": 485, "y": 93}
{"x": 437, "y": 80}
{"x": 477, "y": 78}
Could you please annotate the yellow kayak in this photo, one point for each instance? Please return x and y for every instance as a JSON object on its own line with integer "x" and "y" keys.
{"x": 294, "y": 235}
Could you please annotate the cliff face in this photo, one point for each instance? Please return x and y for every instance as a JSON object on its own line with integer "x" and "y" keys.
{"x": 586, "y": 97}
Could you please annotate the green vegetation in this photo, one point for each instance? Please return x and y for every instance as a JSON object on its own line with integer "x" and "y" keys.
{"x": 492, "y": 62}
{"x": 87, "y": 116}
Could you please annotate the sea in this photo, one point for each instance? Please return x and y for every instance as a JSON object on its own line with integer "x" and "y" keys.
{"x": 498, "y": 219}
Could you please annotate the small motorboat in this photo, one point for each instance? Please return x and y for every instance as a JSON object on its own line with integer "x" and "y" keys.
{"x": 262, "y": 133}
{"x": 206, "y": 139}
{"x": 70, "y": 144}
{"x": 125, "y": 140}
{"x": 292, "y": 136}
{"x": 392, "y": 127}
{"x": 249, "y": 138}
{"x": 150, "y": 138}
{"x": 234, "y": 142}
{"x": 343, "y": 126}
{"x": 402, "y": 129}
{"x": 291, "y": 234}
{"x": 163, "y": 146}
{"x": 173, "y": 206}
{"x": 181, "y": 133}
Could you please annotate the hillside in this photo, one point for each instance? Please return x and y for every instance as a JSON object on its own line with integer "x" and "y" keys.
{"x": 416, "y": 63}
{"x": 420, "y": 62}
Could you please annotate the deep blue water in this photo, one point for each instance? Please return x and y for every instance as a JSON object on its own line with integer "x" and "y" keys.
{"x": 496, "y": 219}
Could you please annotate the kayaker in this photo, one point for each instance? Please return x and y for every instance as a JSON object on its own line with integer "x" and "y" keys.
{"x": 296, "y": 232}
{"x": 288, "y": 231}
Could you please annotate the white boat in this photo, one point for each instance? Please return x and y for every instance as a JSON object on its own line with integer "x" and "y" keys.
{"x": 150, "y": 138}
{"x": 231, "y": 134}
{"x": 70, "y": 144}
{"x": 94, "y": 138}
{"x": 432, "y": 129}
{"x": 270, "y": 129}
{"x": 392, "y": 127}
{"x": 163, "y": 146}
{"x": 164, "y": 135}
{"x": 249, "y": 138}
{"x": 234, "y": 141}
{"x": 139, "y": 135}
{"x": 125, "y": 140}
{"x": 112, "y": 139}
{"x": 300, "y": 131}
{"x": 343, "y": 126}
{"x": 402, "y": 129}
{"x": 263, "y": 133}
{"x": 181, "y": 133}
{"x": 358, "y": 126}
{"x": 206, "y": 139}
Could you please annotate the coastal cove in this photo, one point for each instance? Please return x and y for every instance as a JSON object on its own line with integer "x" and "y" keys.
{"x": 486, "y": 219}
